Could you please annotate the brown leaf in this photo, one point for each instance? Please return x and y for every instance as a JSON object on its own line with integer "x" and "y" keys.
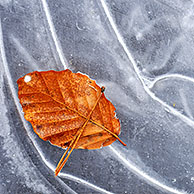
{"x": 68, "y": 109}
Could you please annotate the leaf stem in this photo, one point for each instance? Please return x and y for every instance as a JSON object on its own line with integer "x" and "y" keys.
{"x": 75, "y": 139}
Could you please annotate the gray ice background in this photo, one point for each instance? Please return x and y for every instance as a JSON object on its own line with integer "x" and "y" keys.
{"x": 143, "y": 52}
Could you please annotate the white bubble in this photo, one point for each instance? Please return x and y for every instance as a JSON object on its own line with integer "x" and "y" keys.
{"x": 27, "y": 78}
{"x": 173, "y": 180}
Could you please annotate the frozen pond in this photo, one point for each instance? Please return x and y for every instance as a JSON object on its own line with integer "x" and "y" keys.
{"x": 143, "y": 52}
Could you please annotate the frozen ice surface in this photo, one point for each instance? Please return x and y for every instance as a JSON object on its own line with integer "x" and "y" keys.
{"x": 142, "y": 51}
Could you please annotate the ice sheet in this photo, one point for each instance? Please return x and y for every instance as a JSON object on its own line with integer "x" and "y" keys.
{"x": 142, "y": 51}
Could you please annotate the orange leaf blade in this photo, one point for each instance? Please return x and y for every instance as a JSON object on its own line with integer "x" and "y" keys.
{"x": 59, "y": 104}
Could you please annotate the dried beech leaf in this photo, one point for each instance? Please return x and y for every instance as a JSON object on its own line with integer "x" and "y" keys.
{"x": 68, "y": 109}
